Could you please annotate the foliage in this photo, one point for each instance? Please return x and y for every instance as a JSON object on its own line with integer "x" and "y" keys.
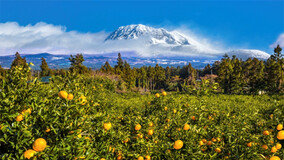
{"x": 76, "y": 128}
{"x": 77, "y": 64}
{"x": 45, "y": 71}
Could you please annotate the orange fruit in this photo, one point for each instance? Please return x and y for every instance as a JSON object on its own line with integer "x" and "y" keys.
{"x": 201, "y": 143}
{"x": 107, "y": 126}
{"x": 209, "y": 143}
{"x": 147, "y": 157}
{"x": 150, "y": 132}
{"x": 166, "y": 108}
{"x": 218, "y": 150}
{"x": 278, "y": 146}
{"x": 266, "y": 133}
{"x": 63, "y": 94}
{"x": 273, "y": 149}
{"x": 214, "y": 140}
{"x": 140, "y": 158}
{"x": 178, "y": 144}
{"x": 264, "y": 146}
{"x": 29, "y": 153}
{"x": 137, "y": 127}
{"x": 279, "y": 127}
{"x": 39, "y": 144}
{"x": 280, "y": 135}
{"x": 204, "y": 140}
{"x": 193, "y": 118}
{"x": 126, "y": 140}
{"x": 27, "y": 111}
{"x": 19, "y": 118}
{"x": 275, "y": 158}
{"x": 157, "y": 95}
{"x": 119, "y": 157}
{"x": 249, "y": 144}
{"x": 70, "y": 96}
{"x": 47, "y": 130}
{"x": 186, "y": 127}
{"x": 164, "y": 93}
{"x": 102, "y": 159}
{"x": 151, "y": 124}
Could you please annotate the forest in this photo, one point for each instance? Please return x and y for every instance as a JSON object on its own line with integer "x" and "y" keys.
{"x": 230, "y": 75}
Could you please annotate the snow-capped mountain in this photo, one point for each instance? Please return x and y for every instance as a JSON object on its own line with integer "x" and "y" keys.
{"x": 156, "y": 42}
{"x": 249, "y": 53}
{"x": 153, "y": 35}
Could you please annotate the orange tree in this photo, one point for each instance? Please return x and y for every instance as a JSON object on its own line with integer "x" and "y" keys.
{"x": 40, "y": 121}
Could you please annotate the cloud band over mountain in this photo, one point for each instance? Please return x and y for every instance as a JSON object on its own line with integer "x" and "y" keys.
{"x": 43, "y": 37}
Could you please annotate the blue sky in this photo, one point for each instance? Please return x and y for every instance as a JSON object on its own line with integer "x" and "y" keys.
{"x": 249, "y": 24}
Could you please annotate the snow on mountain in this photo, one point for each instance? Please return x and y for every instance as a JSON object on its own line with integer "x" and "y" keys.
{"x": 154, "y": 35}
{"x": 155, "y": 42}
{"x": 249, "y": 53}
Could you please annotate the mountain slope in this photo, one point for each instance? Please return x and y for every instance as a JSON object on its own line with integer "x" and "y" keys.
{"x": 249, "y": 53}
{"x": 154, "y": 35}
{"x": 156, "y": 42}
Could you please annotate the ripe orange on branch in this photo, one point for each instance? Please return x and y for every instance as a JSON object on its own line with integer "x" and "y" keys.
{"x": 178, "y": 144}
{"x": 107, "y": 126}
{"x": 275, "y": 158}
{"x": 137, "y": 127}
{"x": 63, "y": 94}
{"x": 70, "y": 96}
{"x": 280, "y": 135}
{"x": 279, "y": 127}
{"x": 29, "y": 153}
{"x": 19, "y": 118}
{"x": 186, "y": 127}
{"x": 39, "y": 144}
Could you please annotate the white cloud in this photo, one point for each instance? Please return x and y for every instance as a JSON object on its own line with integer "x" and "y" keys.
{"x": 280, "y": 41}
{"x": 43, "y": 37}
{"x": 55, "y": 39}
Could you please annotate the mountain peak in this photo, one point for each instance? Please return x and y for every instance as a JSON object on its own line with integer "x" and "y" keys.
{"x": 152, "y": 35}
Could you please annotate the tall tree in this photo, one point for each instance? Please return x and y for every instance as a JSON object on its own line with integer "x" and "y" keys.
{"x": 45, "y": 71}
{"x": 77, "y": 64}
{"x": 274, "y": 70}
{"x": 236, "y": 78}
{"x": 107, "y": 68}
{"x": 119, "y": 67}
{"x": 224, "y": 71}
{"x": 19, "y": 61}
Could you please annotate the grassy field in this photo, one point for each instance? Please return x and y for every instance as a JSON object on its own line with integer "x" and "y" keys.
{"x": 96, "y": 122}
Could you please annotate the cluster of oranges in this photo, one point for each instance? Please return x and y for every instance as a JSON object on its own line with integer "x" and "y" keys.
{"x": 39, "y": 145}
{"x": 24, "y": 113}
{"x": 157, "y": 95}
{"x": 65, "y": 95}
{"x": 278, "y": 146}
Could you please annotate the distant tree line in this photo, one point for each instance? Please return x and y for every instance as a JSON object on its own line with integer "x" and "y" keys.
{"x": 233, "y": 75}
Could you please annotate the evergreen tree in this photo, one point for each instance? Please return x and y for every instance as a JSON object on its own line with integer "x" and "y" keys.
{"x": 127, "y": 75}
{"x": 45, "y": 71}
{"x": 107, "y": 68}
{"x": 19, "y": 61}
{"x": 274, "y": 70}
{"x": 119, "y": 67}
{"x": 224, "y": 71}
{"x": 77, "y": 64}
{"x": 207, "y": 70}
{"x": 236, "y": 78}
{"x": 189, "y": 74}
